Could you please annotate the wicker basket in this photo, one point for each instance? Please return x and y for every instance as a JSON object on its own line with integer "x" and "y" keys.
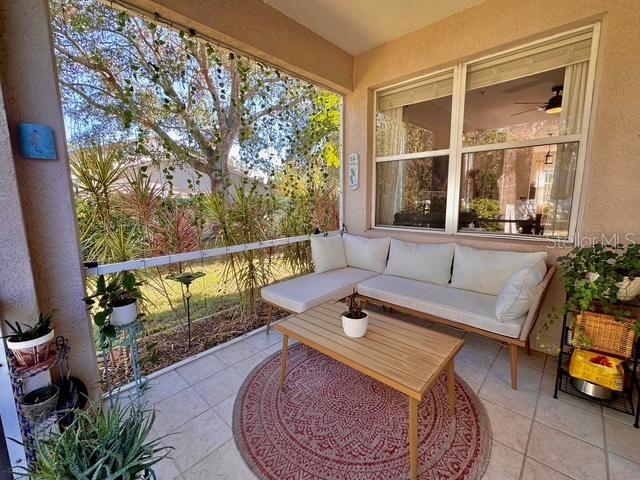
{"x": 607, "y": 334}
{"x": 36, "y": 411}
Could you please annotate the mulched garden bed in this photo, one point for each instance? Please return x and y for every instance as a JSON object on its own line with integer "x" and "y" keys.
{"x": 165, "y": 348}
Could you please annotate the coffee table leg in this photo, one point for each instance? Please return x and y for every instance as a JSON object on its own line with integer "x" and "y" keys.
{"x": 283, "y": 366}
{"x": 413, "y": 438}
{"x": 451, "y": 377}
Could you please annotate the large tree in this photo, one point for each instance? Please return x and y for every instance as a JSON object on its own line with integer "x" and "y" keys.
{"x": 171, "y": 95}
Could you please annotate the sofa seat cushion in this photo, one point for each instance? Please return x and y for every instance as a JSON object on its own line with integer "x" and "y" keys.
{"x": 461, "y": 306}
{"x": 308, "y": 291}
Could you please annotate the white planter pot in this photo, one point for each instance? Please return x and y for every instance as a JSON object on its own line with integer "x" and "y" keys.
{"x": 629, "y": 289}
{"x": 355, "y": 327}
{"x": 31, "y": 352}
{"x": 124, "y": 315}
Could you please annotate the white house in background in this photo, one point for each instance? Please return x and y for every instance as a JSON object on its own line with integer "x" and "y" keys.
{"x": 185, "y": 181}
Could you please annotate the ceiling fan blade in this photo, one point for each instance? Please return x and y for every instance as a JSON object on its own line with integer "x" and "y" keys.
{"x": 525, "y": 111}
{"x": 529, "y": 103}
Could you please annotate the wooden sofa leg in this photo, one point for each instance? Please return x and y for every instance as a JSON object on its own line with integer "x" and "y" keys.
{"x": 269, "y": 315}
{"x": 527, "y": 347}
{"x": 513, "y": 353}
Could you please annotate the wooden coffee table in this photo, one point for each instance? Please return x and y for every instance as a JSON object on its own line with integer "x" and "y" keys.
{"x": 406, "y": 357}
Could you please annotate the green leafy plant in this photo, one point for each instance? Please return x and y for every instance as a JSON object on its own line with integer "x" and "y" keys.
{"x": 591, "y": 278}
{"x": 487, "y": 208}
{"x": 354, "y": 307}
{"x": 628, "y": 260}
{"x": 100, "y": 444}
{"x": 30, "y": 332}
{"x": 123, "y": 289}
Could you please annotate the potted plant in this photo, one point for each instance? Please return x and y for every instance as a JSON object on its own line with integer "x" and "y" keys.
{"x": 355, "y": 320}
{"x": 117, "y": 302}
{"x": 102, "y": 443}
{"x": 39, "y": 404}
{"x": 592, "y": 276}
{"x": 30, "y": 344}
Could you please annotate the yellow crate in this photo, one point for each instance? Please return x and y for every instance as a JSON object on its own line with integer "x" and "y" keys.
{"x": 597, "y": 368}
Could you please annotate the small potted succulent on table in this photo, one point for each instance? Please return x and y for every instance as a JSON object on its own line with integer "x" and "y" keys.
{"x": 30, "y": 344}
{"x": 355, "y": 320}
{"x": 117, "y": 302}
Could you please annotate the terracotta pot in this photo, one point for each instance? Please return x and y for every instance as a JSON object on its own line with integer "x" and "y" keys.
{"x": 355, "y": 327}
{"x": 124, "y": 314}
{"x": 31, "y": 352}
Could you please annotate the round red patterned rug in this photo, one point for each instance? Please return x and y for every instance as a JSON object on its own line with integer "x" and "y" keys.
{"x": 333, "y": 423}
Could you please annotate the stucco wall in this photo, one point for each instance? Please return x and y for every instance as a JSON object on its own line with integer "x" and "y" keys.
{"x": 31, "y": 95}
{"x": 610, "y": 195}
{"x": 257, "y": 29}
{"x": 18, "y": 300}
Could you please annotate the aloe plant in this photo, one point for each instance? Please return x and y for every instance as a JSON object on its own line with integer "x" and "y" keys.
{"x": 40, "y": 329}
{"x": 100, "y": 444}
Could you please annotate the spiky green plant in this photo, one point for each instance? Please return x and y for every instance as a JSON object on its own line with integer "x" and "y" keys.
{"x": 244, "y": 215}
{"x": 100, "y": 444}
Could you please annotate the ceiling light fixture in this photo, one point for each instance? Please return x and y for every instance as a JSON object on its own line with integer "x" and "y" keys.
{"x": 554, "y": 105}
{"x": 548, "y": 158}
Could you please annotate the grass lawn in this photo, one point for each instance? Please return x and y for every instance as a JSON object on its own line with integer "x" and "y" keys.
{"x": 210, "y": 294}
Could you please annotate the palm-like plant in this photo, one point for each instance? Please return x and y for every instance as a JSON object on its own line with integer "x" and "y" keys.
{"x": 97, "y": 171}
{"x": 243, "y": 215}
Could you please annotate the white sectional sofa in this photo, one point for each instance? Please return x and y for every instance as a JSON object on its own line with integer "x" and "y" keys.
{"x": 496, "y": 294}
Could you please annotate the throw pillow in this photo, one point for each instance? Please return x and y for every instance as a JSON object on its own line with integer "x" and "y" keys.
{"x": 516, "y": 297}
{"x": 366, "y": 253}
{"x": 424, "y": 262}
{"x": 327, "y": 253}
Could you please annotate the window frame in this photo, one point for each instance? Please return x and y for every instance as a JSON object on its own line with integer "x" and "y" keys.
{"x": 456, "y": 148}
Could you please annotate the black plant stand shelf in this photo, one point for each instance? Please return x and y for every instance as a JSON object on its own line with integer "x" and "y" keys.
{"x": 18, "y": 377}
{"x": 623, "y": 402}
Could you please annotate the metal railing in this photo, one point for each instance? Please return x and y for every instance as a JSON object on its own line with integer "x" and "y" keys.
{"x": 210, "y": 253}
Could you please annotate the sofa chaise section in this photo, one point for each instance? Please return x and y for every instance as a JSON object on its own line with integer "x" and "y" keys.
{"x": 308, "y": 291}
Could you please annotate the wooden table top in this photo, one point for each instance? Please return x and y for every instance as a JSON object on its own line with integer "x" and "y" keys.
{"x": 404, "y": 356}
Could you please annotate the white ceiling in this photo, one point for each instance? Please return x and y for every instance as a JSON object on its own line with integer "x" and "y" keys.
{"x": 359, "y": 25}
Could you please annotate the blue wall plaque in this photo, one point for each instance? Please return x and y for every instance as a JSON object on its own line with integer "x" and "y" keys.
{"x": 36, "y": 141}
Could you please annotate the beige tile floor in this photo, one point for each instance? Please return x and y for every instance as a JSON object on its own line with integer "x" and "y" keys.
{"x": 535, "y": 437}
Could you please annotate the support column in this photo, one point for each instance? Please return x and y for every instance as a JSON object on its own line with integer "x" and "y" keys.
{"x": 29, "y": 82}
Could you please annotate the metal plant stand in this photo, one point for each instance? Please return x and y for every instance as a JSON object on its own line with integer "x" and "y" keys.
{"x": 129, "y": 333}
{"x": 623, "y": 402}
{"x": 186, "y": 279}
{"x": 19, "y": 376}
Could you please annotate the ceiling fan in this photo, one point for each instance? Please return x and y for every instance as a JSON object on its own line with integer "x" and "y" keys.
{"x": 553, "y": 105}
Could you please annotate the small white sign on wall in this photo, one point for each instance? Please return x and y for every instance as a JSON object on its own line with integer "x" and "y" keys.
{"x": 354, "y": 171}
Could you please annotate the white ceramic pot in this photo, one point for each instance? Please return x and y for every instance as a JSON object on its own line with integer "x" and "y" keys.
{"x": 628, "y": 289}
{"x": 124, "y": 315}
{"x": 31, "y": 352}
{"x": 355, "y": 327}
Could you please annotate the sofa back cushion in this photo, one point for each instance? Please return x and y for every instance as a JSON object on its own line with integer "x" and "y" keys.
{"x": 516, "y": 297}
{"x": 487, "y": 271}
{"x": 367, "y": 253}
{"x": 327, "y": 253}
{"x": 425, "y": 262}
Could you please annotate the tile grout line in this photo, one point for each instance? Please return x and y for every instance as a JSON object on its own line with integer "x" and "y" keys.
{"x": 526, "y": 447}
{"x": 604, "y": 441}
